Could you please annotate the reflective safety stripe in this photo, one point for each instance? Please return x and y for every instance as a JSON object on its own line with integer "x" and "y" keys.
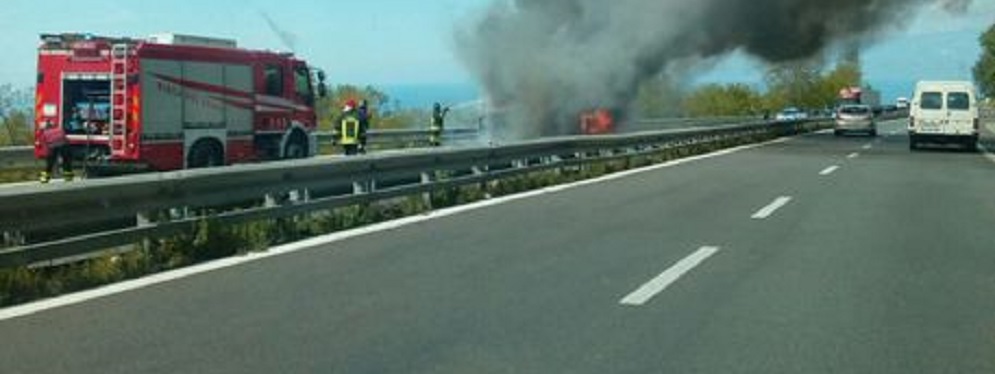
{"x": 349, "y": 131}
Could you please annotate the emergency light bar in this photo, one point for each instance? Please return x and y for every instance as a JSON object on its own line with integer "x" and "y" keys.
{"x": 192, "y": 40}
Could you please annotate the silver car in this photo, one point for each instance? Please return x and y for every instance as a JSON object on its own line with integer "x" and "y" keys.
{"x": 855, "y": 118}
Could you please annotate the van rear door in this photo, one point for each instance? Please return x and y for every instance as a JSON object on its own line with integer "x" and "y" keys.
{"x": 961, "y": 112}
{"x": 931, "y": 116}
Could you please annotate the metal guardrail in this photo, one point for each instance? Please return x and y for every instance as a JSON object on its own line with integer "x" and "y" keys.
{"x": 17, "y": 157}
{"x": 407, "y": 136}
{"x": 649, "y": 124}
{"x": 24, "y": 157}
{"x": 68, "y": 220}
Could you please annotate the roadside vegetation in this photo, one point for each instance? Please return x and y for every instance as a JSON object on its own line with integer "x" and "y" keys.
{"x": 984, "y": 70}
{"x": 809, "y": 85}
{"x": 15, "y": 119}
{"x": 387, "y": 112}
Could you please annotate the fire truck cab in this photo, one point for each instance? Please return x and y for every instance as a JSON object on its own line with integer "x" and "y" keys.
{"x": 175, "y": 101}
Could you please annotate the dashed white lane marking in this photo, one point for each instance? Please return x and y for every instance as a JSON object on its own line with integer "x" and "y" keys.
{"x": 830, "y": 170}
{"x": 868, "y": 146}
{"x": 769, "y": 210}
{"x": 655, "y": 286}
{"x": 853, "y": 155}
{"x": 117, "y": 288}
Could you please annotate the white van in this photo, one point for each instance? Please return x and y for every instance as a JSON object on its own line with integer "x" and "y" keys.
{"x": 944, "y": 112}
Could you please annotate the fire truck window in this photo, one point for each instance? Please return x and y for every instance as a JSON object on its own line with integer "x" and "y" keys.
{"x": 302, "y": 84}
{"x": 274, "y": 80}
{"x": 85, "y": 105}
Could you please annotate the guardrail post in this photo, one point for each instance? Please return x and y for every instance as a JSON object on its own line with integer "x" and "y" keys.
{"x": 358, "y": 188}
{"x": 270, "y": 201}
{"x": 179, "y": 213}
{"x": 426, "y": 178}
{"x": 554, "y": 159}
{"x": 583, "y": 166}
{"x": 12, "y": 238}
{"x": 630, "y": 157}
{"x": 479, "y": 171}
{"x": 144, "y": 219}
{"x": 299, "y": 196}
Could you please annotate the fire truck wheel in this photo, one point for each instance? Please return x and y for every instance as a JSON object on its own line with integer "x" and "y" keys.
{"x": 296, "y": 147}
{"x": 205, "y": 154}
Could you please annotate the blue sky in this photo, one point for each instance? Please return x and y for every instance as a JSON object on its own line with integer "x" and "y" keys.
{"x": 410, "y": 41}
{"x": 359, "y": 41}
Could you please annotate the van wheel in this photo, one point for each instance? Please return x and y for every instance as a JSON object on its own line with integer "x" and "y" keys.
{"x": 874, "y": 133}
{"x": 205, "y": 154}
{"x": 296, "y": 147}
{"x": 971, "y": 145}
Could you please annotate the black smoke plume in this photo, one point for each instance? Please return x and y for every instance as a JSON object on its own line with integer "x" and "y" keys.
{"x": 544, "y": 61}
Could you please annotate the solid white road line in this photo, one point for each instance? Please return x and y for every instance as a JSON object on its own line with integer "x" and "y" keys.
{"x": 853, "y": 155}
{"x": 830, "y": 170}
{"x": 37, "y": 184}
{"x": 81, "y": 297}
{"x": 652, "y": 288}
{"x": 769, "y": 210}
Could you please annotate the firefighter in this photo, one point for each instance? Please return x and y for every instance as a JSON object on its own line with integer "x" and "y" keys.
{"x": 56, "y": 145}
{"x": 363, "y": 112}
{"x": 349, "y": 128}
{"x": 438, "y": 124}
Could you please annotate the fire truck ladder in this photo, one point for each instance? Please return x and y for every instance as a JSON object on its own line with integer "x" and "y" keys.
{"x": 119, "y": 98}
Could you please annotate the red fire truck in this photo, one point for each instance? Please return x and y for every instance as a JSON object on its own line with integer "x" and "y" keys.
{"x": 175, "y": 101}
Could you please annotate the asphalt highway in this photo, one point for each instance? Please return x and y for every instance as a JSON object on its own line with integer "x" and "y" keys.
{"x": 815, "y": 254}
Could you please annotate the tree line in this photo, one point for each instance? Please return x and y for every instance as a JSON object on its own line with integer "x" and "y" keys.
{"x": 809, "y": 85}
{"x": 387, "y": 111}
{"x": 16, "y": 115}
{"x": 984, "y": 70}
